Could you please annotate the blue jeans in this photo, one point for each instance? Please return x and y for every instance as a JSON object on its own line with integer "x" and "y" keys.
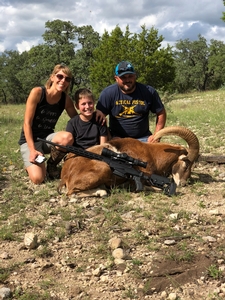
{"x": 143, "y": 139}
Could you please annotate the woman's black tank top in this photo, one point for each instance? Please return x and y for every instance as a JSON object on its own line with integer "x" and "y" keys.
{"x": 45, "y": 118}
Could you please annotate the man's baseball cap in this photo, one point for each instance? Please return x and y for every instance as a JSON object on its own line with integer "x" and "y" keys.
{"x": 124, "y": 67}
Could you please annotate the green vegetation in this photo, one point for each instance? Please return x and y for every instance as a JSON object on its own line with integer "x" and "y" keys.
{"x": 203, "y": 113}
{"x": 34, "y": 296}
{"x": 188, "y": 66}
{"x": 214, "y": 272}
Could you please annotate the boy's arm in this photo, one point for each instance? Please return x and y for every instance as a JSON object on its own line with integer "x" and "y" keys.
{"x": 103, "y": 139}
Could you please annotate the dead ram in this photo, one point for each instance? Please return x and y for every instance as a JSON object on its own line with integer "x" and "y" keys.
{"x": 82, "y": 174}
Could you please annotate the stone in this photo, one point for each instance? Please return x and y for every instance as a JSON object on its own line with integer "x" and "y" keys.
{"x": 169, "y": 242}
{"x": 118, "y": 253}
{"x": 172, "y": 296}
{"x": 5, "y": 293}
{"x": 115, "y": 243}
{"x": 30, "y": 240}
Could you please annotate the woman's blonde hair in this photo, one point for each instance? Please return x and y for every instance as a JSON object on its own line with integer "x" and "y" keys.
{"x": 57, "y": 68}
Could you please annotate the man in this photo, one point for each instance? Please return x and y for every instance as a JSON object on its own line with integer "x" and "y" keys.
{"x": 128, "y": 103}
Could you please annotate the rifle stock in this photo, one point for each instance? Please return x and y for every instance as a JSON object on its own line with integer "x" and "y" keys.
{"x": 122, "y": 165}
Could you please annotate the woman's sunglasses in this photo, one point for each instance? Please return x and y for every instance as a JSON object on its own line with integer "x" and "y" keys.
{"x": 61, "y": 77}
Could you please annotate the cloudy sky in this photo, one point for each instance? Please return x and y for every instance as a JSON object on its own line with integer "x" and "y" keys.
{"x": 22, "y": 22}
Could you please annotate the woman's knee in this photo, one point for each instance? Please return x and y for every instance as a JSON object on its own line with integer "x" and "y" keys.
{"x": 37, "y": 179}
{"x": 36, "y": 176}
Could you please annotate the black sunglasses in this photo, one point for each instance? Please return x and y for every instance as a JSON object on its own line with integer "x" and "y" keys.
{"x": 61, "y": 77}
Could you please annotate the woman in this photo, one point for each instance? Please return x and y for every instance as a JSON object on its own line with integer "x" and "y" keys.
{"x": 43, "y": 109}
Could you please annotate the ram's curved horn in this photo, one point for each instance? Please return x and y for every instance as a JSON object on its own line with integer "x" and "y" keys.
{"x": 187, "y": 135}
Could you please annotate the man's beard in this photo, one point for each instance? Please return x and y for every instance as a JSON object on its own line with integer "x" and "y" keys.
{"x": 126, "y": 89}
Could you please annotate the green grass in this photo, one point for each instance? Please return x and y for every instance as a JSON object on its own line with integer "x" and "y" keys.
{"x": 214, "y": 272}
{"x": 203, "y": 113}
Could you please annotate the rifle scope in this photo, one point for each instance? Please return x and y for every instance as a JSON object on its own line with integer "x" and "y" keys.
{"x": 123, "y": 157}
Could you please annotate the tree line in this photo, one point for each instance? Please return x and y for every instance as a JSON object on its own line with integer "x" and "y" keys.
{"x": 189, "y": 65}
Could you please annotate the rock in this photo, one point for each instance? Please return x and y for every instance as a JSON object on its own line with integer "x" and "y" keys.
{"x": 169, "y": 242}
{"x": 163, "y": 295}
{"x": 5, "y": 293}
{"x": 192, "y": 222}
{"x": 222, "y": 268}
{"x": 220, "y": 261}
{"x": 209, "y": 239}
{"x": 63, "y": 203}
{"x": 172, "y": 296}
{"x": 115, "y": 243}
{"x": 174, "y": 216}
{"x": 118, "y": 253}
{"x": 86, "y": 204}
{"x": 68, "y": 227}
{"x": 177, "y": 227}
{"x": 214, "y": 212}
{"x": 119, "y": 261}
{"x": 30, "y": 240}
{"x": 97, "y": 272}
{"x": 4, "y": 255}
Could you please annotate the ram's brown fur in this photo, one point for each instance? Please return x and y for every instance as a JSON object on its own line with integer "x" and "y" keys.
{"x": 81, "y": 174}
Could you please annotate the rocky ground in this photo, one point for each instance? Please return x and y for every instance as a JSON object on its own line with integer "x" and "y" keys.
{"x": 125, "y": 246}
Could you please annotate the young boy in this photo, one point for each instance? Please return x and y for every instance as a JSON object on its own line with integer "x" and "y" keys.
{"x": 84, "y": 128}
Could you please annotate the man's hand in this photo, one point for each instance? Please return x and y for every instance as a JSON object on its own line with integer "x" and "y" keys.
{"x": 160, "y": 123}
{"x": 100, "y": 117}
{"x": 151, "y": 139}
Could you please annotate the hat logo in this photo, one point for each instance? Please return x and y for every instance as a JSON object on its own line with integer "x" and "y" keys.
{"x": 124, "y": 68}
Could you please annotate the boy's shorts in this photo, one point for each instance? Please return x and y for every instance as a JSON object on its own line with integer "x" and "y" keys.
{"x": 44, "y": 148}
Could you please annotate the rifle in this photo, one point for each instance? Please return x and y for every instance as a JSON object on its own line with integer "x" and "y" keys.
{"x": 122, "y": 165}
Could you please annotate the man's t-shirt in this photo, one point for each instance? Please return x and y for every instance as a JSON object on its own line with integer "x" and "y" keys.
{"x": 129, "y": 113}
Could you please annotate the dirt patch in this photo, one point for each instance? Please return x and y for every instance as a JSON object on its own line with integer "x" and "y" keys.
{"x": 175, "y": 274}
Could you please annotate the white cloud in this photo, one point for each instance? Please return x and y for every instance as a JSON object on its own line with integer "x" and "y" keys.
{"x": 25, "y": 45}
{"x": 23, "y": 22}
{"x": 149, "y": 21}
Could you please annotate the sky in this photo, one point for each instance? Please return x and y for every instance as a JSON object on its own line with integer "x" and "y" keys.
{"x": 22, "y": 22}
